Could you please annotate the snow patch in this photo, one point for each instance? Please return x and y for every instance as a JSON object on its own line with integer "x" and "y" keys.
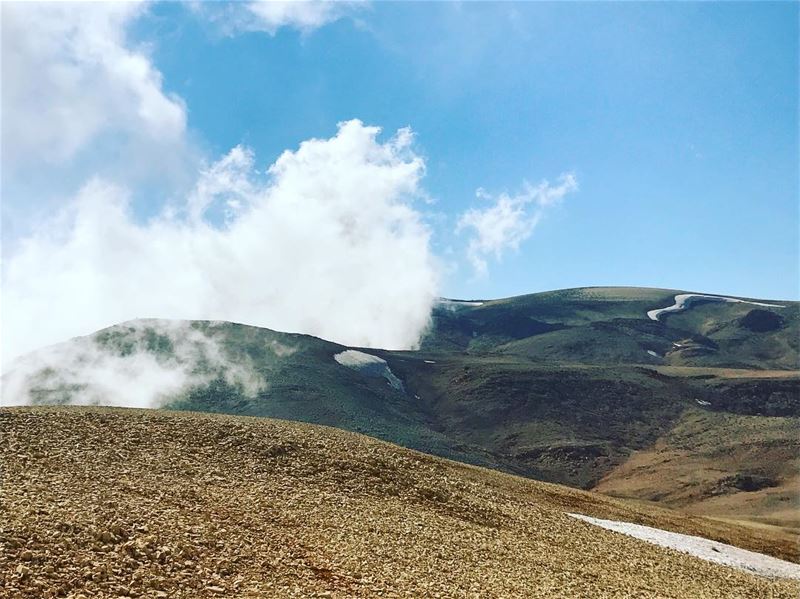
{"x": 460, "y": 302}
{"x": 357, "y": 359}
{"x": 450, "y": 304}
{"x": 684, "y": 301}
{"x": 368, "y": 365}
{"x": 712, "y": 551}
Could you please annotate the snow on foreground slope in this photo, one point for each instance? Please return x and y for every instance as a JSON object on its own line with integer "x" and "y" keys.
{"x": 684, "y": 300}
{"x": 712, "y": 551}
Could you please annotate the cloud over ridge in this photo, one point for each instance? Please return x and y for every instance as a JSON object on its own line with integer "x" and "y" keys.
{"x": 329, "y": 244}
{"x": 327, "y": 241}
{"x": 137, "y": 364}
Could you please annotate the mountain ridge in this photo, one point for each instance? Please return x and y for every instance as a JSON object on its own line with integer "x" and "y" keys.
{"x": 561, "y": 386}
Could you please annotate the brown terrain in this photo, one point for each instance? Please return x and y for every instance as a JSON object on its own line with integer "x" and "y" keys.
{"x": 102, "y": 502}
{"x": 718, "y": 464}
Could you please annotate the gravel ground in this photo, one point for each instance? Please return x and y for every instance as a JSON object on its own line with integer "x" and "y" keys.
{"x": 134, "y": 503}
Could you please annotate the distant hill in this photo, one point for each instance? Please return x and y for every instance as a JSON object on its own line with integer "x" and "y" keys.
{"x": 147, "y": 503}
{"x": 583, "y": 387}
{"x": 611, "y": 325}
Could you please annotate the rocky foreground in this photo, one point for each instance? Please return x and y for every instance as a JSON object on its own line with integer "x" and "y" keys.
{"x": 127, "y": 503}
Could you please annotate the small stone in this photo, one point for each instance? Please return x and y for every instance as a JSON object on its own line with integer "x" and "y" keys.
{"x": 23, "y": 571}
{"x": 106, "y": 537}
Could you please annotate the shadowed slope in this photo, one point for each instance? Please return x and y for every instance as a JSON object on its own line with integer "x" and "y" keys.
{"x": 719, "y": 464}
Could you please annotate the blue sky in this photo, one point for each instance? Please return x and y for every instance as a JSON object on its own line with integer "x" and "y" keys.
{"x": 554, "y": 145}
{"x": 679, "y": 120}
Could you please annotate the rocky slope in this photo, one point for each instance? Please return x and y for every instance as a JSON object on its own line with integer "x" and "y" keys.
{"x": 129, "y": 503}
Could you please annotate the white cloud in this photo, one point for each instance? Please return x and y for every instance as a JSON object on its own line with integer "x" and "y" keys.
{"x": 327, "y": 241}
{"x": 271, "y": 15}
{"x": 509, "y": 220}
{"x": 70, "y": 76}
{"x": 227, "y": 183}
{"x": 80, "y": 98}
{"x": 87, "y": 371}
{"x": 329, "y": 245}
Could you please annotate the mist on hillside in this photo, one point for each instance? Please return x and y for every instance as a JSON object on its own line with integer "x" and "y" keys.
{"x": 137, "y": 364}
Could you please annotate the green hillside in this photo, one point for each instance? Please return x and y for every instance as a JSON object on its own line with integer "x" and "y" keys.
{"x": 557, "y": 386}
{"x": 609, "y": 325}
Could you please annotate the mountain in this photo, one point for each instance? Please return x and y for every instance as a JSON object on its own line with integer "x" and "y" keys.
{"x": 685, "y": 399}
{"x": 622, "y": 325}
{"x": 148, "y": 503}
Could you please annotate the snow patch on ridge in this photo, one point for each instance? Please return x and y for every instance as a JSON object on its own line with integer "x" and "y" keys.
{"x": 369, "y": 365}
{"x": 453, "y": 305}
{"x": 685, "y": 300}
{"x": 712, "y": 551}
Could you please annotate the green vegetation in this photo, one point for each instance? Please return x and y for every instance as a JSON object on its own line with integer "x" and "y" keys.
{"x": 566, "y": 386}
{"x": 609, "y": 325}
